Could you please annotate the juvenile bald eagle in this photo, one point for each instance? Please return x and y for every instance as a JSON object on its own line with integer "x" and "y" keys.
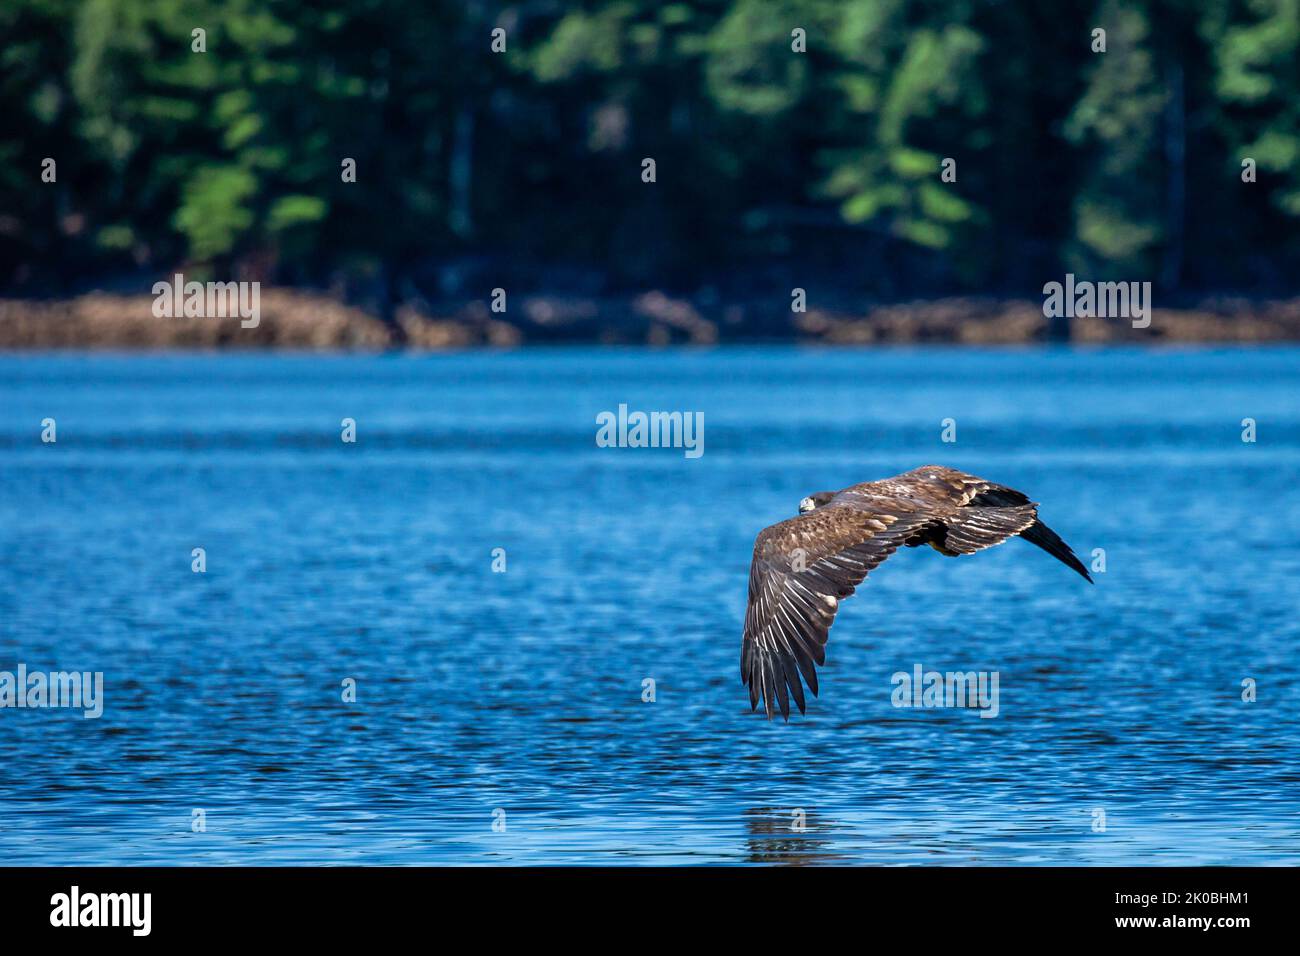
{"x": 805, "y": 566}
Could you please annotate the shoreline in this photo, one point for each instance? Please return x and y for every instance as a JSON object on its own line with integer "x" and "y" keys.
{"x": 305, "y": 320}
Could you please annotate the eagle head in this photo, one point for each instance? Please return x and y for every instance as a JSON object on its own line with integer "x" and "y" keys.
{"x": 813, "y": 502}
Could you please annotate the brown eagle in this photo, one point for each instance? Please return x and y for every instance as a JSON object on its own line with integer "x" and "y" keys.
{"x": 805, "y": 566}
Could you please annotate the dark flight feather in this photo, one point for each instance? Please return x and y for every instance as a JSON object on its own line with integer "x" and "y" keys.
{"x": 1047, "y": 539}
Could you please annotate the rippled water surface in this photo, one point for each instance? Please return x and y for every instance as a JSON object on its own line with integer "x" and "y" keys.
{"x": 522, "y": 691}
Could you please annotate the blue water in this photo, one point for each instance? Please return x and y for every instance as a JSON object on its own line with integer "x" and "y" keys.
{"x": 522, "y": 691}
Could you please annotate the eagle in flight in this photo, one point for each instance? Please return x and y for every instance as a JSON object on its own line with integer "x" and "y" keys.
{"x": 804, "y": 567}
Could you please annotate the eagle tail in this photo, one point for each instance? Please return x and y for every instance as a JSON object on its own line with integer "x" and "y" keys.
{"x": 1047, "y": 539}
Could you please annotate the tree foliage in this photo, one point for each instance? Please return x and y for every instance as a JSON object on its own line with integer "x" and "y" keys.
{"x": 792, "y": 138}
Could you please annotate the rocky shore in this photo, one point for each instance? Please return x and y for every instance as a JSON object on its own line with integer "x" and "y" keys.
{"x": 297, "y": 319}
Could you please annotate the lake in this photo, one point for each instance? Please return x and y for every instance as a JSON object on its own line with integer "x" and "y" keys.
{"x": 433, "y": 645}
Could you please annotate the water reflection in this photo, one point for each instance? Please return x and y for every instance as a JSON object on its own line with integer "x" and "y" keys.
{"x": 789, "y": 837}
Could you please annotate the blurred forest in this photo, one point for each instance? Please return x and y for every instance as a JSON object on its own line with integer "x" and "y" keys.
{"x": 775, "y": 168}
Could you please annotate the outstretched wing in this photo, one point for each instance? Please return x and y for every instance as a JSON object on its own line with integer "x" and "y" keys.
{"x": 974, "y": 527}
{"x": 967, "y": 513}
{"x": 802, "y": 569}
{"x": 985, "y": 514}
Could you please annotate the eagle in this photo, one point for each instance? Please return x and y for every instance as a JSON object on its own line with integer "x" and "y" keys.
{"x": 805, "y": 566}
